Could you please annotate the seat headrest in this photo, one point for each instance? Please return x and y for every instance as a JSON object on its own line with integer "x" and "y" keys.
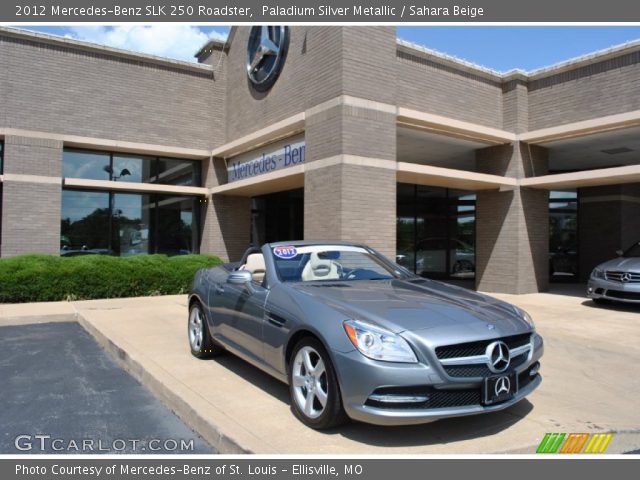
{"x": 255, "y": 263}
{"x": 321, "y": 267}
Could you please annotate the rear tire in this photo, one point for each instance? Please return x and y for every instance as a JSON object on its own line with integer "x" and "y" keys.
{"x": 200, "y": 341}
{"x": 313, "y": 386}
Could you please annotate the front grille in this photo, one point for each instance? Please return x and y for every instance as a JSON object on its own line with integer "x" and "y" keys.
{"x": 465, "y": 371}
{"x": 437, "y": 398}
{"x": 623, "y": 295}
{"x": 478, "y": 348}
{"x": 470, "y": 371}
{"x": 622, "y": 277}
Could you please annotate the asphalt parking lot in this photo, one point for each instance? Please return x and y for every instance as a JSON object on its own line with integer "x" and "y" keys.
{"x": 61, "y": 393}
{"x": 589, "y": 383}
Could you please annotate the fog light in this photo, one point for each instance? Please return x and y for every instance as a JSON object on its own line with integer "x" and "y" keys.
{"x": 534, "y": 370}
{"x": 392, "y": 398}
{"x": 589, "y": 290}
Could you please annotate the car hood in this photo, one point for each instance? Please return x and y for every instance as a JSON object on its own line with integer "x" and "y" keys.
{"x": 416, "y": 304}
{"x": 626, "y": 264}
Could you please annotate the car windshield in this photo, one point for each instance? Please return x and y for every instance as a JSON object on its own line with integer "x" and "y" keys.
{"x": 634, "y": 251}
{"x": 332, "y": 263}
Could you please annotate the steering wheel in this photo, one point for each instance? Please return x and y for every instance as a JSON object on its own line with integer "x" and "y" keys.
{"x": 354, "y": 273}
{"x": 340, "y": 269}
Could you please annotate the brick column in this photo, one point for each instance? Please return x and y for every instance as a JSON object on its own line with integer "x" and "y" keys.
{"x": 31, "y": 196}
{"x": 612, "y": 209}
{"x": 350, "y": 178}
{"x": 512, "y": 227}
{"x": 225, "y": 219}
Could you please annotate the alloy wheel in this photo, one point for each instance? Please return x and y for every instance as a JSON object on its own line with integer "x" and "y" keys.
{"x": 309, "y": 378}
{"x": 195, "y": 329}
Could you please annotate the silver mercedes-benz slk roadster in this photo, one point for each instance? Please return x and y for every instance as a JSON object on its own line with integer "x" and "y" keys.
{"x": 357, "y": 336}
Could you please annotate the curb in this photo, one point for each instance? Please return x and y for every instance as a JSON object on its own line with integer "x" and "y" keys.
{"x": 222, "y": 442}
{"x": 34, "y": 319}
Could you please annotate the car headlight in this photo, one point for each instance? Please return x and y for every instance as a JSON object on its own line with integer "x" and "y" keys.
{"x": 379, "y": 344}
{"x": 527, "y": 318}
{"x": 597, "y": 273}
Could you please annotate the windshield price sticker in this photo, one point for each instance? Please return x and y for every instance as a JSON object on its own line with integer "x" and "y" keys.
{"x": 285, "y": 252}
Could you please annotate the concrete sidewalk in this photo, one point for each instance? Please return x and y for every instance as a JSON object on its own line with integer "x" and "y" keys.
{"x": 589, "y": 369}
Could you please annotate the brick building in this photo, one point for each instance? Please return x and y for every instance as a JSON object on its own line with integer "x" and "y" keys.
{"x": 509, "y": 180}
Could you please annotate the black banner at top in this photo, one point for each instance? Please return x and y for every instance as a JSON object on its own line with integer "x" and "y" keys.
{"x": 330, "y": 11}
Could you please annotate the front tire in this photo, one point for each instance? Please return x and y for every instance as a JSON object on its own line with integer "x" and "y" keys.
{"x": 313, "y": 386}
{"x": 200, "y": 342}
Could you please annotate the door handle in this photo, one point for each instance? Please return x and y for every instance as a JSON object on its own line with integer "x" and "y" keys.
{"x": 275, "y": 320}
{"x": 219, "y": 289}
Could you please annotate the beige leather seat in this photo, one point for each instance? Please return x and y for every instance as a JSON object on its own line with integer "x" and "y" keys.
{"x": 255, "y": 265}
{"x": 319, "y": 269}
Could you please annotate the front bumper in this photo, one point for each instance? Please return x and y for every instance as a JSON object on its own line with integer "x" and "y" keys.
{"x": 598, "y": 288}
{"x": 361, "y": 378}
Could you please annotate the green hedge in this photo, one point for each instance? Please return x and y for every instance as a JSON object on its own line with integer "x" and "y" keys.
{"x": 42, "y": 278}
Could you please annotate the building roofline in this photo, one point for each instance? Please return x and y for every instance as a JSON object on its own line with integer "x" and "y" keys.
{"x": 97, "y": 48}
{"x": 212, "y": 44}
{"x": 556, "y": 68}
{"x": 471, "y": 67}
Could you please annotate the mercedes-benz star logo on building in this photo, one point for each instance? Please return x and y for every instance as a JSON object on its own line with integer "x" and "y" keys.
{"x": 266, "y": 52}
{"x": 498, "y": 356}
{"x": 503, "y": 385}
{"x": 625, "y": 277}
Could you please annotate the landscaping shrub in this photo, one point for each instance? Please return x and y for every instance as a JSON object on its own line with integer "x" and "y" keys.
{"x": 42, "y": 278}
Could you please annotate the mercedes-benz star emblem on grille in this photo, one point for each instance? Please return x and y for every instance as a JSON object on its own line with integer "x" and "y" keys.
{"x": 266, "y": 52}
{"x": 498, "y": 356}
{"x": 503, "y": 385}
{"x": 625, "y": 277}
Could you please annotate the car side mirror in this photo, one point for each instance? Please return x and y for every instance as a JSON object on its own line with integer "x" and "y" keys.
{"x": 619, "y": 253}
{"x": 239, "y": 277}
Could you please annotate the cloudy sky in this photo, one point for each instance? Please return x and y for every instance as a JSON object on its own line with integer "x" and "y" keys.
{"x": 502, "y": 48}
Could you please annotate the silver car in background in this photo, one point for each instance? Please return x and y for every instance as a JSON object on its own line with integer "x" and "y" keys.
{"x": 617, "y": 279}
{"x": 357, "y": 336}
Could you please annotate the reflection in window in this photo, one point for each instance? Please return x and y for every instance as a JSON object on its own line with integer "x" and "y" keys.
{"x": 172, "y": 171}
{"x": 563, "y": 235}
{"x": 129, "y": 168}
{"x": 127, "y": 224}
{"x": 175, "y": 224}
{"x": 122, "y": 167}
{"x": 86, "y": 164}
{"x": 130, "y": 223}
{"x": 85, "y": 223}
{"x": 436, "y": 231}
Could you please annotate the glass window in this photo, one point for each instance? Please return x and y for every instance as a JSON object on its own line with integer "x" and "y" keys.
{"x": 333, "y": 262}
{"x": 176, "y": 224}
{"x": 277, "y": 217}
{"x": 128, "y": 224}
{"x": 121, "y": 167}
{"x": 86, "y": 164}
{"x": 85, "y": 223}
{"x": 563, "y": 235}
{"x": 130, "y": 168}
{"x": 436, "y": 231}
{"x": 172, "y": 171}
{"x": 131, "y": 223}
